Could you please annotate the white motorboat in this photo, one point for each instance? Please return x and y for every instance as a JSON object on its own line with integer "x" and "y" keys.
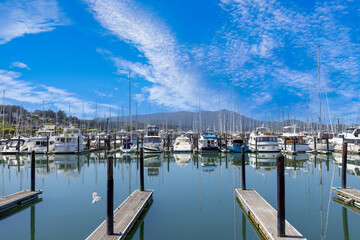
{"x": 352, "y": 137}
{"x": 293, "y": 141}
{"x": 153, "y": 141}
{"x": 182, "y": 144}
{"x": 262, "y": 140}
{"x": 14, "y": 145}
{"x": 71, "y": 141}
{"x": 321, "y": 143}
{"x": 40, "y": 142}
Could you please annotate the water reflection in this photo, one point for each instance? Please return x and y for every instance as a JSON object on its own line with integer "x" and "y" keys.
{"x": 182, "y": 159}
{"x": 152, "y": 163}
{"x": 209, "y": 161}
{"x": 222, "y": 170}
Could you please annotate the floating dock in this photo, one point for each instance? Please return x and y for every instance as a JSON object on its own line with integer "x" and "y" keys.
{"x": 13, "y": 200}
{"x": 348, "y": 195}
{"x": 125, "y": 216}
{"x": 264, "y": 216}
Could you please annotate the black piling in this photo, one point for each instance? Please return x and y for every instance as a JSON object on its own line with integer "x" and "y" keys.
{"x": 280, "y": 162}
{"x": 327, "y": 143}
{"x": 256, "y": 147}
{"x": 285, "y": 143}
{"x": 294, "y": 144}
{"x": 32, "y": 186}
{"x": 47, "y": 144}
{"x": 78, "y": 144}
{"x": 315, "y": 143}
{"x": 243, "y": 168}
{"x": 141, "y": 168}
{"x": 343, "y": 165}
{"x": 110, "y": 197}
{"x": 114, "y": 141}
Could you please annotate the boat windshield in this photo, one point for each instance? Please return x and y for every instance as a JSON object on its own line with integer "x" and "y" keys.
{"x": 267, "y": 139}
{"x": 152, "y": 140}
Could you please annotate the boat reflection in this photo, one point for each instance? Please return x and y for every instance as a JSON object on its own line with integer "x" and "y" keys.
{"x": 209, "y": 161}
{"x": 266, "y": 161}
{"x": 353, "y": 163}
{"x": 152, "y": 163}
{"x": 182, "y": 159}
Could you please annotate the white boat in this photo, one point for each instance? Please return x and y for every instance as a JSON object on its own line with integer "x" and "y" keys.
{"x": 71, "y": 141}
{"x": 262, "y": 140}
{"x": 39, "y": 143}
{"x": 153, "y": 141}
{"x": 352, "y": 137}
{"x": 3, "y": 143}
{"x": 182, "y": 144}
{"x": 14, "y": 145}
{"x": 208, "y": 143}
{"x": 321, "y": 144}
{"x": 295, "y": 142}
{"x": 128, "y": 146}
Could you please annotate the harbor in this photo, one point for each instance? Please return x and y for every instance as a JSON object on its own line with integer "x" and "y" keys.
{"x": 207, "y": 184}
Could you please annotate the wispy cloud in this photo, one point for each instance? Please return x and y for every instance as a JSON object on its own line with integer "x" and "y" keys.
{"x": 168, "y": 67}
{"x": 19, "y": 65}
{"x": 20, "y": 17}
{"x": 24, "y": 92}
{"x": 270, "y": 47}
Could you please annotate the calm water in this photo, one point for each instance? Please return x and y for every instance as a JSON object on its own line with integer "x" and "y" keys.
{"x": 194, "y": 195}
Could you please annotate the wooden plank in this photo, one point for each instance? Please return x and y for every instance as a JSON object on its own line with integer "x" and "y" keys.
{"x": 10, "y": 201}
{"x": 125, "y": 216}
{"x": 264, "y": 216}
{"x": 349, "y": 195}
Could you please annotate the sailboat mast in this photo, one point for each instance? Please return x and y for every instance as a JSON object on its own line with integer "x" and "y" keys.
{"x": 129, "y": 103}
{"x": 319, "y": 89}
{"x": 3, "y": 113}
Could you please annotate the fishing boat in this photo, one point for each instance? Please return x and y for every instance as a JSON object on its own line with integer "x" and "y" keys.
{"x": 182, "y": 144}
{"x": 262, "y": 140}
{"x": 152, "y": 141}
{"x": 208, "y": 143}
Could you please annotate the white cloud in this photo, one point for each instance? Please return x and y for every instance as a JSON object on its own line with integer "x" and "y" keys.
{"x": 20, "y": 17}
{"x": 20, "y": 65}
{"x": 19, "y": 91}
{"x": 174, "y": 82}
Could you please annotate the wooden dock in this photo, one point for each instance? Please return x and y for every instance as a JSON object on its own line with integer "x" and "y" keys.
{"x": 264, "y": 216}
{"x": 13, "y": 200}
{"x": 125, "y": 216}
{"x": 348, "y": 195}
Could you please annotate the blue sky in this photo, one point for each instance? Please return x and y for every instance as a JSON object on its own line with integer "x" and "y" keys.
{"x": 81, "y": 52}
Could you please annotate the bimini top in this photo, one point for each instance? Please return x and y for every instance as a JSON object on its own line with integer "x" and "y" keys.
{"x": 209, "y": 136}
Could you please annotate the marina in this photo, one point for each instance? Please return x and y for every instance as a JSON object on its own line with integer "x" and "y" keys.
{"x": 207, "y": 182}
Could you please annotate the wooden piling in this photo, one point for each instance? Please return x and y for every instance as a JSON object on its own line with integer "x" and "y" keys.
{"x": 285, "y": 141}
{"x": 142, "y": 168}
{"x": 32, "y": 170}
{"x": 343, "y": 165}
{"x": 280, "y": 195}
{"x": 78, "y": 144}
{"x": 315, "y": 143}
{"x": 114, "y": 141}
{"x": 110, "y": 197}
{"x": 243, "y": 167}
{"x": 294, "y": 144}
{"x": 47, "y": 144}
{"x": 327, "y": 143}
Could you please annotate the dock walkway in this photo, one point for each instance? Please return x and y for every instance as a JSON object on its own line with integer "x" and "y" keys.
{"x": 264, "y": 216}
{"x": 11, "y": 201}
{"x": 125, "y": 216}
{"x": 348, "y": 195}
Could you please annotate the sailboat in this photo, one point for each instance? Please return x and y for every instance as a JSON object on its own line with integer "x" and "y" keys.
{"x": 128, "y": 145}
{"x": 322, "y": 141}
